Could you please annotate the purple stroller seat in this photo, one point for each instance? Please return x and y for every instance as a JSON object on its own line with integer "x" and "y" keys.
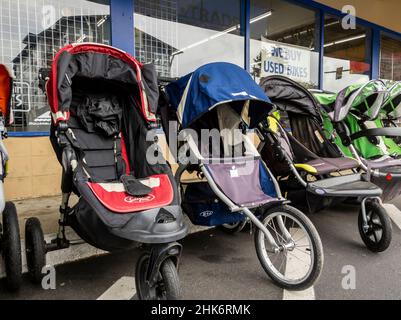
{"x": 241, "y": 182}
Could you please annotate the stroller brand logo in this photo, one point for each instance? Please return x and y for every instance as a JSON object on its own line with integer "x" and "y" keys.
{"x": 131, "y": 199}
{"x": 206, "y": 214}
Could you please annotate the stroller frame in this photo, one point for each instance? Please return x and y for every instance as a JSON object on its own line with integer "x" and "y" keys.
{"x": 231, "y": 205}
{"x": 210, "y": 111}
{"x": 124, "y": 201}
{"x": 319, "y": 158}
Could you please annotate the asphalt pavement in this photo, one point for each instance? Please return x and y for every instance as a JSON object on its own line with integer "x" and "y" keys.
{"x": 219, "y": 266}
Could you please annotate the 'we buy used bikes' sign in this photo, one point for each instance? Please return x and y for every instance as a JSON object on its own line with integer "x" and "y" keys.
{"x": 289, "y": 61}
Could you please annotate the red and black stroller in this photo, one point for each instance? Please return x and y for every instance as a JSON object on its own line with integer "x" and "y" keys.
{"x": 103, "y": 103}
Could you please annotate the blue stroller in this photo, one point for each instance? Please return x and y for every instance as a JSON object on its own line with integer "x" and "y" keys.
{"x": 209, "y": 113}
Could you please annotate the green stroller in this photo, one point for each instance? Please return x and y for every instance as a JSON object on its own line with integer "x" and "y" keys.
{"x": 352, "y": 120}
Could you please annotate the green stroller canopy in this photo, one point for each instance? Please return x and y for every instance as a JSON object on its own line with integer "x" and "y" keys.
{"x": 364, "y": 100}
{"x": 391, "y": 108}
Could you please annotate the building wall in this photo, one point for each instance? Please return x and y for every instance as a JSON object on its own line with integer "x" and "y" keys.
{"x": 382, "y": 12}
{"x": 33, "y": 168}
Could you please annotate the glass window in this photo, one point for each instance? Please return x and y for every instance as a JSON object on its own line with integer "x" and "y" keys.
{"x": 180, "y": 35}
{"x": 390, "y": 59}
{"x": 30, "y": 36}
{"x": 283, "y": 41}
{"x": 347, "y": 55}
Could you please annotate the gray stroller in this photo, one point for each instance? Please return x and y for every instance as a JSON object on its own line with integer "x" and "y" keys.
{"x": 213, "y": 108}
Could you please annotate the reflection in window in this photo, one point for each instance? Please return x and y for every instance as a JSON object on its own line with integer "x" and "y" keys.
{"x": 346, "y": 55}
{"x": 30, "y": 36}
{"x": 283, "y": 41}
{"x": 180, "y": 35}
{"x": 390, "y": 59}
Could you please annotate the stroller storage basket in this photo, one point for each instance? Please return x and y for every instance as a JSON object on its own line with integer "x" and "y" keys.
{"x": 205, "y": 209}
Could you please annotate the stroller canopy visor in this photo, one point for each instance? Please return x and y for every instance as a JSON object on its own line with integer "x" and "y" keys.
{"x": 217, "y": 84}
{"x": 95, "y": 61}
{"x": 290, "y": 96}
{"x": 364, "y": 99}
{"x": 5, "y": 92}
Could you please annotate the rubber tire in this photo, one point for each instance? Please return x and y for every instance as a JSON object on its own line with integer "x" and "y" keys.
{"x": 316, "y": 243}
{"x": 385, "y": 220}
{"x": 168, "y": 272}
{"x": 35, "y": 249}
{"x": 234, "y": 230}
{"x": 11, "y": 247}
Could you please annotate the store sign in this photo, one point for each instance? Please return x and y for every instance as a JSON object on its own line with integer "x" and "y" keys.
{"x": 289, "y": 61}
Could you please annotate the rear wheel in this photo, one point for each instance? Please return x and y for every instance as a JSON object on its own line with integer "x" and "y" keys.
{"x": 232, "y": 228}
{"x": 298, "y": 262}
{"x": 378, "y": 232}
{"x": 35, "y": 249}
{"x": 11, "y": 247}
{"x": 167, "y": 286}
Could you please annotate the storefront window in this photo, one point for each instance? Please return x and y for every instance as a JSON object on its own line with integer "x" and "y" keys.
{"x": 283, "y": 41}
{"x": 347, "y": 55}
{"x": 180, "y": 35}
{"x": 390, "y": 59}
{"x": 31, "y": 33}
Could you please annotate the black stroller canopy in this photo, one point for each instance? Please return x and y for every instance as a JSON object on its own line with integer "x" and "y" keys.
{"x": 289, "y": 96}
{"x": 304, "y": 118}
{"x": 98, "y": 62}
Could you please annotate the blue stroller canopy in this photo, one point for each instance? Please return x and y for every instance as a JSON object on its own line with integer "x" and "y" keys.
{"x": 215, "y": 84}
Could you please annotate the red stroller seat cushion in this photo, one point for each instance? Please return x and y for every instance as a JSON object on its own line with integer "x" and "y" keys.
{"x": 114, "y": 197}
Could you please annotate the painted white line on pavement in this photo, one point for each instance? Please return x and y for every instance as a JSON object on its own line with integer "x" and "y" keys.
{"x": 394, "y": 213}
{"x": 123, "y": 289}
{"x": 295, "y": 268}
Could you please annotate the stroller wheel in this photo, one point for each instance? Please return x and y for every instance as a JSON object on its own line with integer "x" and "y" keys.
{"x": 232, "y": 228}
{"x": 378, "y": 232}
{"x": 298, "y": 263}
{"x": 35, "y": 249}
{"x": 167, "y": 286}
{"x": 11, "y": 247}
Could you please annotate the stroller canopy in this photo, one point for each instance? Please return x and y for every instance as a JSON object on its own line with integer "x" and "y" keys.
{"x": 392, "y": 106}
{"x": 304, "y": 117}
{"x": 364, "y": 100}
{"x": 97, "y": 61}
{"x": 217, "y": 84}
{"x": 289, "y": 96}
{"x": 5, "y": 93}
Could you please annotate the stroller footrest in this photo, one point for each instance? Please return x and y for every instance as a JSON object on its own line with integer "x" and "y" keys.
{"x": 345, "y": 186}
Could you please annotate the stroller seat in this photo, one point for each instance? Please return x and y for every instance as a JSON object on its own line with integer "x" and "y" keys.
{"x": 114, "y": 197}
{"x": 383, "y": 162}
{"x": 105, "y": 160}
{"x": 327, "y": 165}
{"x": 231, "y": 178}
{"x": 311, "y": 163}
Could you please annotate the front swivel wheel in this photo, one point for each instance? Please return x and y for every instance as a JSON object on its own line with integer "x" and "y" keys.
{"x": 377, "y": 232}
{"x": 167, "y": 285}
{"x": 298, "y": 261}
